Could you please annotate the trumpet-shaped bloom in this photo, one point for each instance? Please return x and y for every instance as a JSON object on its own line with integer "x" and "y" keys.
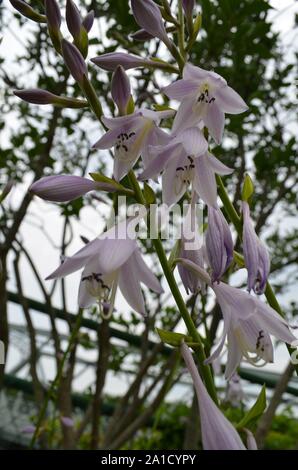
{"x": 185, "y": 162}
{"x": 131, "y": 136}
{"x": 109, "y": 261}
{"x": 217, "y": 432}
{"x": 255, "y": 253}
{"x": 219, "y": 243}
{"x": 205, "y": 96}
{"x": 64, "y": 188}
{"x": 248, "y": 324}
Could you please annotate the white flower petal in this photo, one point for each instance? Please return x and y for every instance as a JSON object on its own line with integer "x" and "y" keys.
{"x": 229, "y": 101}
{"x": 214, "y": 120}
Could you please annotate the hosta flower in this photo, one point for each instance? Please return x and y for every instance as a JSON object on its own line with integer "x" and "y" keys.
{"x": 120, "y": 89}
{"x": 217, "y": 432}
{"x": 191, "y": 248}
{"x": 255, "y": 253}
{"x": 205, "y": 96}
{"x": 186, "y": 163}
{"x": 219, "y": 243}
{"x": 64, "y": 188}
{"x": 109, "y": 261}
{"x": 131, "y": 137}
{"x": 248, "y": 324}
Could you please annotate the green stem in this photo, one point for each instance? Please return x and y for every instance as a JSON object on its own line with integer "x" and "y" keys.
{"x": 92, "y": 98}
{"x": 56, "y": 381}
{"x": 205, "y": 369}
{"x": 181, "y": 33}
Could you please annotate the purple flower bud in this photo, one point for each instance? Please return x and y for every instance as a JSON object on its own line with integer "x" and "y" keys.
{"x": 42, "y": 97}
{"x": 88, "y": 21}
{"x": 141, "y": 35}
{"x": 73, "y": 19}
{"x": 74, "y": 61}
{"x": 111, "y": 60}
{"x": 191, "y": 281}
{"x": 256, "y": 256}
{"x": 64, "y": 188}
{"x": 53, "y": 14}
{"x": 188, "y": 6}
{"x": 68, "y": 422}
{"x": 26, "y": 10}
{"x": 120, "y": 89}
{"x": 35, "y": 96}
{"x": 219, "y": 243}
{"x": 29, "y": 429}
{"x": 148, "y": 16}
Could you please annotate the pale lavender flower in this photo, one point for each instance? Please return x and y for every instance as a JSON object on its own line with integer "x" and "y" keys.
{"x": 111, "y": 60}
{"x": 120, "y": 89}
{"x": 148, "y": 16}
{"x": 205, "y": 96}
{"x": 63, "y": 188}
{"x": 88, "y": 20}
{"x": 74, "y": 61}
{"x": 219, "y": 243}
{"x": 256, "y": 256}
{"x": 67, "y": 421}
{"x": 53, "y": 14}
{"x": 248, "y": 324}
{"x": 185, "y": 162}
{"x": 73, "y": 19}
{"x": 131, "y": 136}
{"x": 109, "y": 261}
{"x": 217, "y": 432}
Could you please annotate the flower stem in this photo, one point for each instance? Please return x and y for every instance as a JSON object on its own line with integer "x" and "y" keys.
{"x": 56, "y": 381}
{"x": 157, "y": 243}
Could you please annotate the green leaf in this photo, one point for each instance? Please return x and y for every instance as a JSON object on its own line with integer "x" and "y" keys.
{"x": 149, "y": 194}
{"x": 256, "y": 411}
{"x": 248, "y": 188}
{"x": 174, "y": 254}
{"x": 173, "y": 339}
{"x": 238, "y": 258}
{"x": 130, "y": 106}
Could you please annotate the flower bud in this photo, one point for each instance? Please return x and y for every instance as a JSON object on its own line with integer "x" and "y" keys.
{"x": 54, "y": 22}
{"x": 141, "y": 35}
{"x": 219, "y": 243}
{"x": 73, "y": 19}
{"x": 27, "y": 11}
{"x": 53, "y": 14}
{"x": 64, "y": 188}
{"x": 88, "y": 21}
{"x": 42, "y": 97}
{"x": 148, "y": 16}
{"x": 74, "y": 61}
{"x": 120, "y": 89}
{"x": 111, "y": 60}
{"x": 188, "y": 6}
